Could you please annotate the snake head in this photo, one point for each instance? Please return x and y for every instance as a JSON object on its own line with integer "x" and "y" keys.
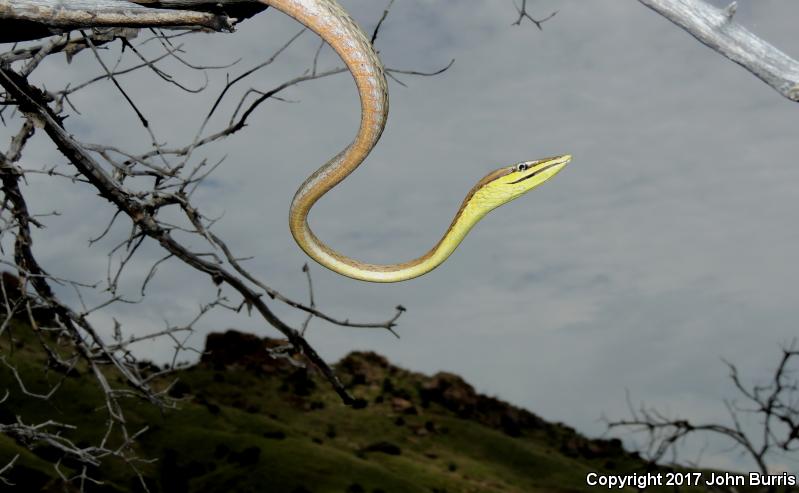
{"x": 527, "y": 175}
{"x": 507, "y": 183}
{"x": 510, "y": 182}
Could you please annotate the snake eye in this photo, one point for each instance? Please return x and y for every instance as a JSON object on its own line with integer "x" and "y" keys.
{"x": 521, "y": 167}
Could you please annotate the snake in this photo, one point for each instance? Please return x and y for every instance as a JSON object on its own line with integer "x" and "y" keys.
{"x": 334, "y": 25}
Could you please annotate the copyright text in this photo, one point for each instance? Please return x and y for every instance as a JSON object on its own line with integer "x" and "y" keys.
{"x": 641, "y": 481}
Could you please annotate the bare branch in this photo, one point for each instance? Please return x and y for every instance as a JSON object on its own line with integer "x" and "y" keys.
{"x": 31, "y": 99}
{"x": 145, "y": 187}
{"x": 773, "y": 402}
{"x": 7, "y": 467}
{"x": 30, "y": 19}
{"x": 522, "y": 11}
{"x": 24, "y": 389}
{"x": 716, "y": 29}
{"x": 380, "y": 22}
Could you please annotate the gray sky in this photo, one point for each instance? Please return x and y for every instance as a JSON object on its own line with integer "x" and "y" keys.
{"x": 668, "y": 244}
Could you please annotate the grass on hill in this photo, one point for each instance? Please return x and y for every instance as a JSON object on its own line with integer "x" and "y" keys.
{"x": 246, "y": 423}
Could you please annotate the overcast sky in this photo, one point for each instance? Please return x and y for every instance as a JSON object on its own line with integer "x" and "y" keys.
{"x": 668, "y": 244}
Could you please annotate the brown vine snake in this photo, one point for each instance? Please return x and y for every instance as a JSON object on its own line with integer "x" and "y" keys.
{"x": 328, "y": 20}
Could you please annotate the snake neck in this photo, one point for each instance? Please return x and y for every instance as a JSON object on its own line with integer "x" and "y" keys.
{"x": 328, "y": 20}
{"x": 468, "y": 215}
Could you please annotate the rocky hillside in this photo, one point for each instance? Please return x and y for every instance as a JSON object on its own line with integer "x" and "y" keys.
{"x": 250, "y": 423}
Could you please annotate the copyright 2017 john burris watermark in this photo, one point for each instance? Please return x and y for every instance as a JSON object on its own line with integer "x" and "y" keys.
{"x": 641, "y": 481}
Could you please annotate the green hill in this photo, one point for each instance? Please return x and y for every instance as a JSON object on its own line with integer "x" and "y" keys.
{"x": 249, "y": 423}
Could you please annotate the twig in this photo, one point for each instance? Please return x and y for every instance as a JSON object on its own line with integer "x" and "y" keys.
{"x": 7, "y": 468}
{"x": 30, "y": 99}
{"x": 380, "y": 22}
{"x": 775, "y": 401}
{"x": 522, "y": 11}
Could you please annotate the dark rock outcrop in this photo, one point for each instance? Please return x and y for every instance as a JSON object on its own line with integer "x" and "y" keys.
{"x": 453, "y": 393}
{"x": 240, "y": 350}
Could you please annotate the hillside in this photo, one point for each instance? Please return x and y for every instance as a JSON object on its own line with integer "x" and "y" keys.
{"x": 249, "y": 423}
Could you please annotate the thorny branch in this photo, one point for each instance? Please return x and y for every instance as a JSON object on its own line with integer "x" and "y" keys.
{"x": 145, "y": 189}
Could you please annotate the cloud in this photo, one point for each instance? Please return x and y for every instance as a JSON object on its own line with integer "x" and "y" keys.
{"x": 667, "y": 244}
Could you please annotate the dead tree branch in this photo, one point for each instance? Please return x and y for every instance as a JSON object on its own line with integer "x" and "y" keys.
{"x": 151, "y": 196}
{"x": 774, "y": 403}
{"x": 31, "y": 19}
{"x": 716, "y": 29}
{"x": 33, "y": 101}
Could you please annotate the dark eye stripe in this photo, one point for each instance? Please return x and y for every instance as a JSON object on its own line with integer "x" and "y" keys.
{"x": 533, "y": 174}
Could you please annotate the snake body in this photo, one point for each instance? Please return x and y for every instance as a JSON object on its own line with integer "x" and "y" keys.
{"x": 334, "y": 25}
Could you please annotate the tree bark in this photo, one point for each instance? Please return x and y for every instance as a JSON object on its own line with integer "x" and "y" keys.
{"x": 22, "y": 20}
{"x": 716, "y": 29}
